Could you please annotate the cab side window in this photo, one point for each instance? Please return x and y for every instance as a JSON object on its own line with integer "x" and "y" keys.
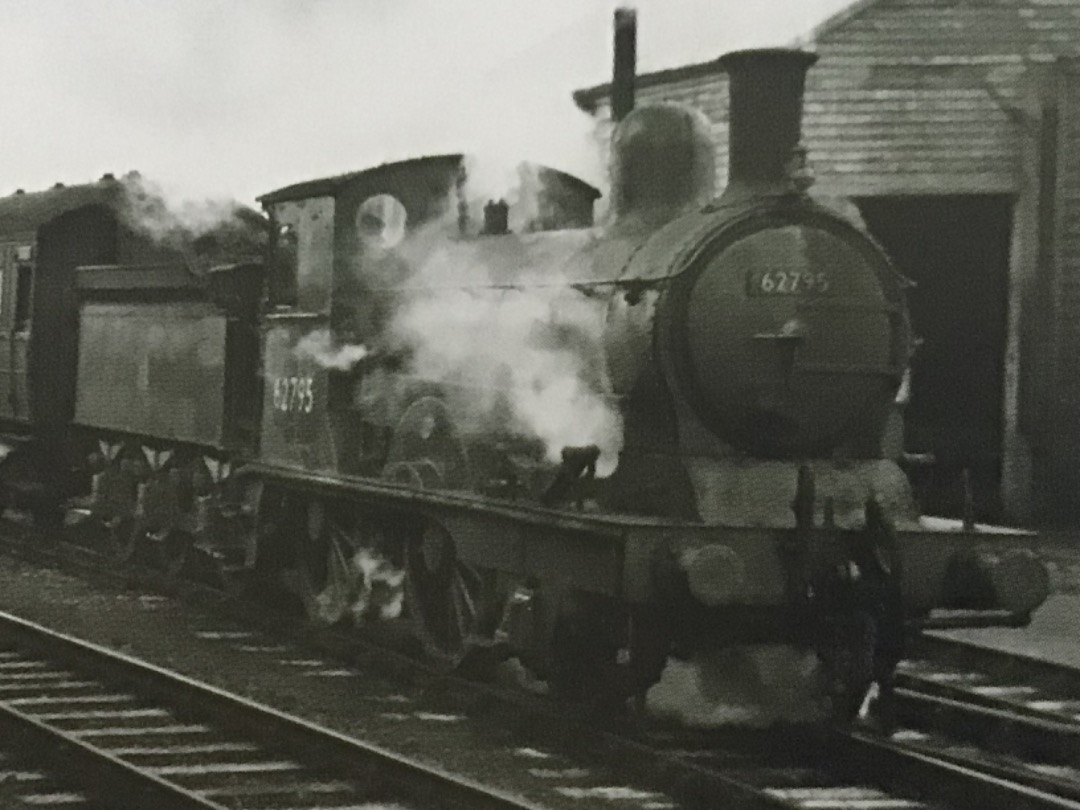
{"x": 283, "y": 264}
{"x": 303, "y": 253}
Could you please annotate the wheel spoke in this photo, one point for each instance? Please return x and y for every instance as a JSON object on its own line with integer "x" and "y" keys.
{"x": 464, "y": 609}
{"x": 445, "y": 609}
{"x": 124, "y": 540}
{"x": 173, "y": 551}
{"x": 332, "y": 599}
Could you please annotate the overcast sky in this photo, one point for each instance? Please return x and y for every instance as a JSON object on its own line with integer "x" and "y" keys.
{"x": 232, "y": 98}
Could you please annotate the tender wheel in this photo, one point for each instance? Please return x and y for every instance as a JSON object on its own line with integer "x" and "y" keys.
{"x": 48, "y": 515}
{"x": 125, "y": 543}
{"x": 228, "y": 573}
{"x": 173, "y": 552}
{"x": 447, "y": 601}
{"x": 232, "y": 581}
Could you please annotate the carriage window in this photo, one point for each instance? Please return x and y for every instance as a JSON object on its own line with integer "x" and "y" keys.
{"x": 23, "y": 285}
{"x": 381, "y": 220}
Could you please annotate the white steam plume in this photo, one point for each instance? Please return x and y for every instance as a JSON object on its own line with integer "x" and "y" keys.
{"x": 518, "y": 184}
{"x": 319, "y": 346}
{"x": 756, "y": 685}
{"x": 522, "y": 361}
{"x": 166, "y": 219}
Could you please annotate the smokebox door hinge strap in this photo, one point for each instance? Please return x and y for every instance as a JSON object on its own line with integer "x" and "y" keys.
{"x": 798, "y": 548}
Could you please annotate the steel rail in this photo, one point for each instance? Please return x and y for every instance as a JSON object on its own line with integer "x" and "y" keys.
{"x": 382, "y": 771}
{"x": 1006, "y": 665}
{"x": 94, "y": 770}
{"x": 959, "y": 784}
{"x": 913, "y": 777}
{"x": 991, "y": 727}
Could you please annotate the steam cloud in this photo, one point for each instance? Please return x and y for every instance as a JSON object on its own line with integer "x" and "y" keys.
{"x": 524, "y": 361}
{"x": 223, "y": 229}
{"x": 152, "y": 213}
{"x": 517, "y": 184}
{"x": 751, "y": 685}
{"x": 319, "y": 346}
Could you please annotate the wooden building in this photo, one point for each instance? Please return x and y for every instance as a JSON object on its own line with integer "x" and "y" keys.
{"x": 954, "y": 127}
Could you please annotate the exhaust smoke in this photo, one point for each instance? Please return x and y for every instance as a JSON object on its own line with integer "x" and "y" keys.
{"x": 757, "y": 685}
{"x": 321, "y": 347}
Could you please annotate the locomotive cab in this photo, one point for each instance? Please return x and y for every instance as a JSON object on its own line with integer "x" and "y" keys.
{"x": 346, "y": 252}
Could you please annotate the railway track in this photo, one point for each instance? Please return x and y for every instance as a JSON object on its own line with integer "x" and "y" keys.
{"x": 655, "y": 770}
{"x": 1017, "y": 717}
{"x": 136, "y": 735}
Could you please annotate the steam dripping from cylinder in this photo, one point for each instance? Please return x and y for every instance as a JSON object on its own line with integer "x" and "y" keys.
{"x": 765, "y": 121}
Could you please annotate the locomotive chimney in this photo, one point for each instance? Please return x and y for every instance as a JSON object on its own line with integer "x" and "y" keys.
{"x": 765, "y": 87}
{"x": 625, "y": 67}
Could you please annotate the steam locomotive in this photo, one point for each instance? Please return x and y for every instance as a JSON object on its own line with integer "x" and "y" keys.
{"x": 594, "y": 449}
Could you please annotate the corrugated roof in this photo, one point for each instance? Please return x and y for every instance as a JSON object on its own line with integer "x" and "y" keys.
{"x": 25, "y": 212}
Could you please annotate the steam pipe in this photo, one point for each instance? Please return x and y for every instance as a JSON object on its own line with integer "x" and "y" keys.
{"x": 625, "y": 67}
{"x": 765, "y": 117}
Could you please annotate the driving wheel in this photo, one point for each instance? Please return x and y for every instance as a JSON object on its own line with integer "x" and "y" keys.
{"x": 445, "y": 598}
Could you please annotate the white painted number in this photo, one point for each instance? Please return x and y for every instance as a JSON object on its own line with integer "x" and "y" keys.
{"x": 792, "y": 282}
{"x": 294, "y": 394}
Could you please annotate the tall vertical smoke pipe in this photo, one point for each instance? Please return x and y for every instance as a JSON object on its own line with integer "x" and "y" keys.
{"x": 625, "y": 67}
{"x": 766, "y": 88}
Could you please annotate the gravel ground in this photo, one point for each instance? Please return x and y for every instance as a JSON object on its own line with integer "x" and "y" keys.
{"x": 25, "y": 786}
{"x": 398, "y": 716}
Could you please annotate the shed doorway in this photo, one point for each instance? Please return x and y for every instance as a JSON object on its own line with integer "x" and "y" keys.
{"x": 956, "y": 250}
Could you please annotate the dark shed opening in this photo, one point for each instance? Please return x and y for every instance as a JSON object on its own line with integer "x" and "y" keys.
{"x": 956, "y": 250}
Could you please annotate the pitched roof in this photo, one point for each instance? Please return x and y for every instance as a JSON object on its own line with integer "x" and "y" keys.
{"x": 908, "y": 96}
{"x": 588, "y": 98}
{"x": 841, "y": 17}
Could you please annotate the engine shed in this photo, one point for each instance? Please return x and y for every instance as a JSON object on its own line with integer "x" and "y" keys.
{"x": 951, "y": 125}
